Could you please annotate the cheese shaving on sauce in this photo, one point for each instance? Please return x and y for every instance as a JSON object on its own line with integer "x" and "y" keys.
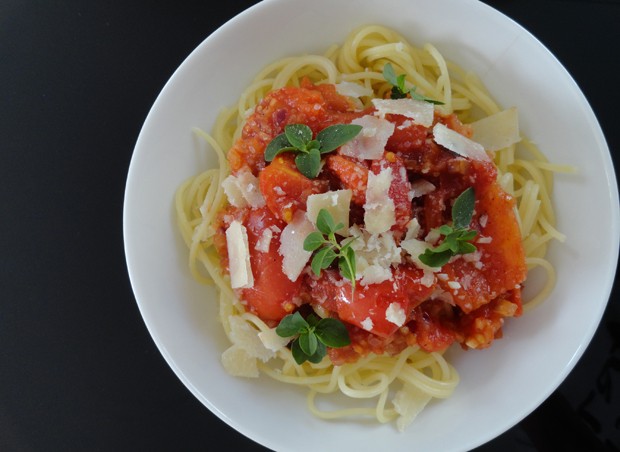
{"x": 371, "y": 141}
{"x": 379, "y": 209}
{"x": 291, "y": 248}
{"x": 242, "y": 190}
{"x": 239, "y": 256}
{"x": 336, "y": 202}
{"x": 421, "y": 112}
{"x": 458, "y": 143}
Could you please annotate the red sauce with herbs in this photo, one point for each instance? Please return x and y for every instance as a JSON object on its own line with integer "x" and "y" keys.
{"x": 438, "y": 314}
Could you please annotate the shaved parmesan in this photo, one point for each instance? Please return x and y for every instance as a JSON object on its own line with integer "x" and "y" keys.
{"x": 291, "y": 248}
{"x": 408, "y": 403}
{"x": 239, "y": 256}
{"x": 336, "y": 202}
{"x": 238, "y": 363}
{"x": 497, "y": 131}
{"x": 263, "y": 242}
{"x": 375, "y": 274}
{"x": 395, "y": 314}
{"x": 242, "y": 190}
{"x": 414, "y": 248}
{"x": 375, "y": 254}
{"x": 460, "y": 144}
{"x": 244, "y": 335}
{"x": 353, "y": 89}
{"x": 271, "y": 340}
{"x": 421, "y": 112}
{"x": 379, "y": 209}
{"x": 370, "y": 143}
{"x": 420, "y": 187}
{"x": 367, "y": 324}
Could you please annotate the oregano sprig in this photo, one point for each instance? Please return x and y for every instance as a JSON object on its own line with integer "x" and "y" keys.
{"x": 323, "y": 242}
{"x": 458, "y": 236}
{"x": 312, "y": 336}
{"x": 399, "y": 91}
{"x": 297, "y": 138}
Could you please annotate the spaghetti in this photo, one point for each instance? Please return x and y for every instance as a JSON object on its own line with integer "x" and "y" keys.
{"x": 382, "y": 386}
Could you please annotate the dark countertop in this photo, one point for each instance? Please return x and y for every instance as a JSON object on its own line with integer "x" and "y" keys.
{"x": 78, "y": 368}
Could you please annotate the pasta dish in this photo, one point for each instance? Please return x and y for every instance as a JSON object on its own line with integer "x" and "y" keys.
{"x": 373, "y": 206}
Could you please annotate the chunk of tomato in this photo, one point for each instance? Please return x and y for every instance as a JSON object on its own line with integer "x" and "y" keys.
{"x": 273, "y": 293}
{"x": 285, "y": 189}
{"x": 380, "y": 308}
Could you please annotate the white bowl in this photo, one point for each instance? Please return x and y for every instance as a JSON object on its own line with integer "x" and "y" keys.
{"x": 499, "y": 386}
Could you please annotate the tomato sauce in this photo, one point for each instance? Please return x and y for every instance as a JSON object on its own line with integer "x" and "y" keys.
{"x": 465, "y": 302}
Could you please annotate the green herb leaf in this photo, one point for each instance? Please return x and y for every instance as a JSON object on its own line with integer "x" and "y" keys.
{"x": 399, "y": 91}
{"x": 346, "y": 264}
{"x": 321, "y": 351}
{"x": 325, "y": 222}
{"x": 332, "y": 333}
{"x": 308, "y": 343}
{"x": 335, "y": 136}
{"x": 435, "y": 259}
{"x": 324, "y": 240}
{"x": 298, "y": 354}
{"x": 314, "y": 335}
{"x": 323, "y": 259}
{"x": 457, "y": 238}
{"x": 298, "y": 135}
{"x": 463, "y": 209}
{"x": 276, "y": 146}
{"x": 309, "y": 164}
{"x": 297, "y": 138}
{"x": 313, "y": 241}
{"x": 291, "y": 325}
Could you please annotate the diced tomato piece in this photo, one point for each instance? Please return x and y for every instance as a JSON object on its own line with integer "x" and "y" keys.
{"x": 285, "y": 189}
{"x": 367, "y": 308}
{"x": 350, "y": 174}
{"x": 316, "y": 106}
{"x": 433, "y": 325}
{"x": 272, "y": 295}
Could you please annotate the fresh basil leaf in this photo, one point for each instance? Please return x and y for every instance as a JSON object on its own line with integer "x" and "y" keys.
{"x": 325, "y": 222}
{"x": 278, "y": 144}
{"x": 298, "y": 135}
{"x": 308, "y": 343}
{"x": 336, "y": 135}
{"x": 309, "y": 164}
{"x": 298, "y": 354}
{"x": 332, "y": 333}
{"x": 463, "y": 209}
{"x": 291, "y": 325}
{"x": 313, "y": 241}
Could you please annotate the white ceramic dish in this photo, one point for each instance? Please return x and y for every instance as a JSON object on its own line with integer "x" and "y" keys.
{"x": 499, "y": 386}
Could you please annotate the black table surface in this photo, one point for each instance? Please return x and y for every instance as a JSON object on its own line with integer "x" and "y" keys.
{"x": 78, "y": 368}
